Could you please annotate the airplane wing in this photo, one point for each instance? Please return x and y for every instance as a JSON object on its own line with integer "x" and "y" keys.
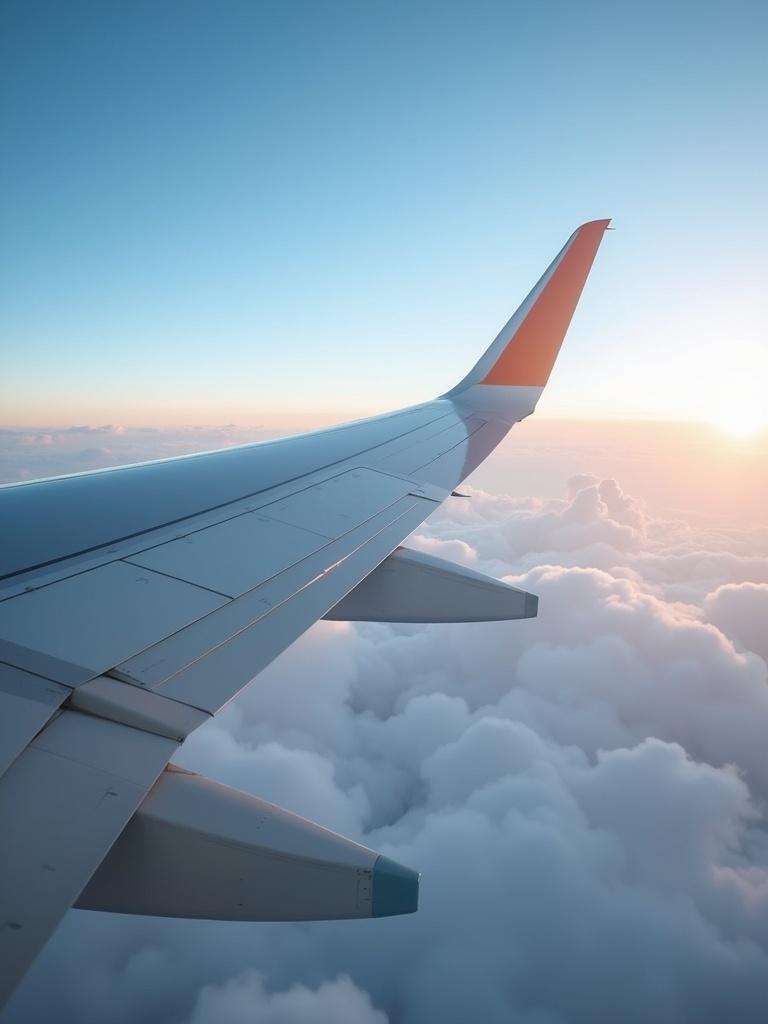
{"x": 135, "y": 602}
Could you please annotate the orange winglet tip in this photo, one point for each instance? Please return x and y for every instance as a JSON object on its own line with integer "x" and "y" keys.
{"x": 530, "y": 353}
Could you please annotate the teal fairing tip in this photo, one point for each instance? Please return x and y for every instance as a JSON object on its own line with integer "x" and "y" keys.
{"x": 395, "y": 889}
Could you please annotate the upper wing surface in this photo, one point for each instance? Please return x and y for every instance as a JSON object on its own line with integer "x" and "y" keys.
{"x": 88, "y": 612}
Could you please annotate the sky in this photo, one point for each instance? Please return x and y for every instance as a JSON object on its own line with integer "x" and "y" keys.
{"x": 221, "y": 222}
{"x": 218, "y": 213}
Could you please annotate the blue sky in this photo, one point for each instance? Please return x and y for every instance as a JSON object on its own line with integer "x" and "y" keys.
{"x": 213, "y": 212}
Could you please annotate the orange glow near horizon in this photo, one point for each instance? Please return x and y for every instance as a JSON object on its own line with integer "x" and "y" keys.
{"x": 739, "y": 417}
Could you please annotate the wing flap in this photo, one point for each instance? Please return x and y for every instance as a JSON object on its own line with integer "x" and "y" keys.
{"x": 27, "y": 703}
{"x": 117, "y": 701}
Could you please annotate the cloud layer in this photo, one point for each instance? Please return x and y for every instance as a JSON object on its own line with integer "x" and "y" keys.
{"x": 32, "y": 454}
{"x": 584, "y": 794}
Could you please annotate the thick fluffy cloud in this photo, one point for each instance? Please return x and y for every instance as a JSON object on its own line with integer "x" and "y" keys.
{"x": 245, "y": 1000}
{"x": 584, "y": 794}
{"x": 740, "y": 610}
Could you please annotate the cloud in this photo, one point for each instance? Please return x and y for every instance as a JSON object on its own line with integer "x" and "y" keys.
{"x": 245, "y": 1000}
{"x": 584, "y": 794}
{"x": 33, "y": 454}
{"x": 741, "y": 612}
{"x": 94, "y": 455}
{"x": 107, "y": 428}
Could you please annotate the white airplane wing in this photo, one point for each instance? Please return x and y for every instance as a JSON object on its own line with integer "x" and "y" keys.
{"x": 135, "y": 602}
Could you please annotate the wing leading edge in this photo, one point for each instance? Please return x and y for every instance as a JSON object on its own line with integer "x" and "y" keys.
{"x": 135, "y": 602}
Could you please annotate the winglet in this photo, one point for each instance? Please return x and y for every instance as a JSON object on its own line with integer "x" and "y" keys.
{"x": 524, "y": 352}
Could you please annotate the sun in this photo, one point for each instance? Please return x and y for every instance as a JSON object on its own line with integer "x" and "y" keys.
{"x": 741, "y": 418}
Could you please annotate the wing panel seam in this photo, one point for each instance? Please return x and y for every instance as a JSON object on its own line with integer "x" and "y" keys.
{"x": 212, "y": 508}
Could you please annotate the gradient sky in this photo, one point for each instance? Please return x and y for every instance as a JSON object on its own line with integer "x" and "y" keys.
{"x": 215, "y": 212}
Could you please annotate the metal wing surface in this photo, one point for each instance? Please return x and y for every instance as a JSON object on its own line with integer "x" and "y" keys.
{"x": 135, "y": 602}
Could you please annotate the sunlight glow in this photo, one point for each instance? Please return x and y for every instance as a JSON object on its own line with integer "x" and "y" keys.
{"x": 741, "y": 419}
